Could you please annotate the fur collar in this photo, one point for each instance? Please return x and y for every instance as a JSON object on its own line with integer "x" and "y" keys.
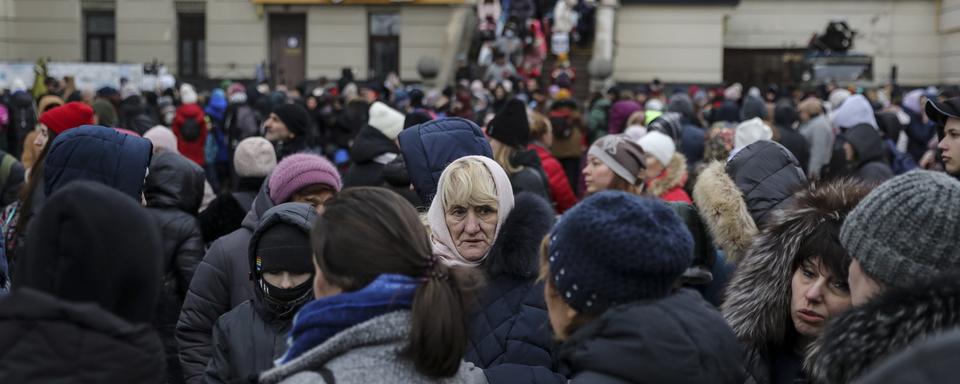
{"x": 757, "y": 300}
{"x": 517, "y": 248}
{"x": 673, "y": 176}
{"x": 725, "y": 212}
{"x": 859, "y": 339}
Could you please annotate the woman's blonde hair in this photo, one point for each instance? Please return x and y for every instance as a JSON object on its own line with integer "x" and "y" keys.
{"x": 503, "y": 155}
{"x": 539, "y": 126}
{"x": 468, "y": 182}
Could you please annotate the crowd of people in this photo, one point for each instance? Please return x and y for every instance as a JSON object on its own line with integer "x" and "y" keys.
{"x": 356, "y": 232}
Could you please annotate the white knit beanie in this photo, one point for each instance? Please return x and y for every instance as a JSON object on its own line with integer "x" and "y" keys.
{"x": 751, "y": 131}
{"x": 188, "y": 95}
{"x": 659, "y": 145}
{"x": 254, "y": 157}
{"x": 386, "y": 120}
{"x": 162, "y": 137}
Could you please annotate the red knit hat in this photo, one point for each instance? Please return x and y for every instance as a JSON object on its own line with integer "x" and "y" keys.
{"x": 67, "y": 116}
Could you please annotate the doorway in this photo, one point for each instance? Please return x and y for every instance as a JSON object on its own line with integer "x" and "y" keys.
{"x": 288, "y": 49}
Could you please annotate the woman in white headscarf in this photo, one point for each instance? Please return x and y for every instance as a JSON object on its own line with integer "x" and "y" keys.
{"x": 476, "y": 221}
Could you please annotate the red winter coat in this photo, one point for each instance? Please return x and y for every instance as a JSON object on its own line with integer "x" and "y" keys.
{"x": 669, "y": 185}
{"x": 193, "y": 150}
{"x": 560, "y": 190}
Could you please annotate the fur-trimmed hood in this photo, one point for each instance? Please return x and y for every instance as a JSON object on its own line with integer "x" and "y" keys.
{"x": 673, "y": 176}
{"x": 858, "y": 340}
{"x": 757, "y": 299}
{"x": 723, "y": 210}
{"x": 516, "y": 249}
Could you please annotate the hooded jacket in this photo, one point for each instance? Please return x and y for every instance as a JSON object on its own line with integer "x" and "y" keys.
{"x": 429, "y": 147}
{"x": 193, "y": 150}
{"x": 677, "y": 339}
{"x": 869, "y": 163}
{"x": 23, "y": 119}
{"x": 508, "y": 329}
{"x": 862, "y": 337}
{"x": 854, "y": 111}
{"x": 736, "y": 198}
{"x": 83, "y": 297}
{"x": 97, "y": 154}
{"x": 784, "y": 117}
{"x": 173, "y": 192}
{"x": 757, "y": 299}
{"x": 930, "y": 361}
{"x": 371, "y": 151}
{"x": 669, "y": 185}
{"x": 248, "y": 339}
{"x": 220, "y": 283}
{"x": 692, "y": 134}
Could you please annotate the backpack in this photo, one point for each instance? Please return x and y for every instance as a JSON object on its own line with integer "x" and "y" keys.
{"x": 190, "y": 130}
{"x": 900, "y": 162}
{"x": 562, "y": 126}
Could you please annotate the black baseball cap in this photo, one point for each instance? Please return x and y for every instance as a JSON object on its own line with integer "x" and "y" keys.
{"x": 940, "y": 112}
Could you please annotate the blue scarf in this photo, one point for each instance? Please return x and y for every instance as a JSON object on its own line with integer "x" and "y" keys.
{"x": 321, "y": 319}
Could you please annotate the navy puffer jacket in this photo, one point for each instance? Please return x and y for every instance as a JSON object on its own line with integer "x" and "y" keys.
{"x": 509, "y": 330}
{"x": 429, "y": 147}
{"x": 98, "y": 154}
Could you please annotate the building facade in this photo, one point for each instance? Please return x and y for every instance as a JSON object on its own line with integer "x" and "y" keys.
{"x": 680, "y": 41}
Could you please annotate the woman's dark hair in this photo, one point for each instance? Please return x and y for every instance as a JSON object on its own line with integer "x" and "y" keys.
{"x": 368, "y": 231}
{"x": 824, "y": 242}
{"x": 33, "y": 182}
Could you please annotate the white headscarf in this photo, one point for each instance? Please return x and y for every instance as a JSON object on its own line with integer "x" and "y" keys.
{"x": 440, "y": 238}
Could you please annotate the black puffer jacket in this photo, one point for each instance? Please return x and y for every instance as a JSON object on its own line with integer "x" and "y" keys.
{"x": 371, "y": 151}
{"x": 220, "y": 283}
{"x": 862, "y": 337}
{"x": 767, "y": 174}
{"x": 248, "y": 339}
{"x": 173, "y": 190}
{"x": 677, "y": 339}
{"x": 509, "y": 331}
{"x": 869, "y": 164}
{"x": 48, "y": 340}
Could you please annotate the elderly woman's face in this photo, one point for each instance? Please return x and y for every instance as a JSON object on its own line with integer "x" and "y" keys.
{"x": 472, "y": 229}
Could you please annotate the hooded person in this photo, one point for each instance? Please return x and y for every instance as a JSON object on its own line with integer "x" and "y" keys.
{"x": 83, "y": 300}
{"x": 855, "y": 110}
{"x": 816, "y": 129}
{"x": 475, "y": 221}
{"x": 692, "y": 135}
{"x": 374, "y": 147}
{"x": 793, "y": 281}
{"x": 221, "y": 281}
{"x": 429, "y": 147}
{"x": 785, "y": 117}
{"x": 903, "y": 278}
{"x": 509, "y": 134}
{"x": 606, "y": 318}
{"x": 287, "y": 128}
{"x": 864, "y": 152}
{"x": 162, "y": 139}
{"x": 753, "y": 107}
{"x": 173, "y": 192}
{"x": 190, "y": 127}
{"x": 927, "y": 361}
{"x": 749, "y": 132}
{"x": 98, "y": 154}
{"x": 666, "y": 169}
{"x": 217, "y": 153}
{"x": 253, "y": 161}
{"x": 105, "y": 112}
{"x": 737, "y": 197}
{"x": 248, "y": 338}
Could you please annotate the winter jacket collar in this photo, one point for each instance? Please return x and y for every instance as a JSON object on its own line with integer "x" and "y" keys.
{"x": 261, "y": 204}
{"x": 859, "y": 339}
{"x": 174, "y": 182}
{"x": 516, "y": 249}
{"x": 757, "y": 302}
{"x": 673, "y": 176}
{"x": 724, "y": 211}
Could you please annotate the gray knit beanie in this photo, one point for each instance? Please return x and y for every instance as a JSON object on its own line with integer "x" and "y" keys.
{"x": 254, "y": 157}
{"x": 906, "y": 230}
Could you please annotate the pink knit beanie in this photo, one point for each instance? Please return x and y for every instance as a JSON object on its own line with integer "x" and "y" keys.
{"x": 298, "y": 171}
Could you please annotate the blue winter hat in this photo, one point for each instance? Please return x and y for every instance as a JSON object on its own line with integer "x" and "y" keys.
{"x": 615, "y": 248}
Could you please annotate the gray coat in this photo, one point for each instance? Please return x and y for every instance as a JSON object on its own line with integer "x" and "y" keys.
{"x": 819, "y": 135}
{"x": 369, "y": 352}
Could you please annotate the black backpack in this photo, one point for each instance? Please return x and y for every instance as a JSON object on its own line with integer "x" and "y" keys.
{"x": 190, "y": 130}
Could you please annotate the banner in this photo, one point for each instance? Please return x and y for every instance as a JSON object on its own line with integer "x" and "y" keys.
{"x": 86, "y": 75}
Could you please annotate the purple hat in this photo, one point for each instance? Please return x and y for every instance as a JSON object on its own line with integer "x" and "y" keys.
{"x": 298, "y": 171}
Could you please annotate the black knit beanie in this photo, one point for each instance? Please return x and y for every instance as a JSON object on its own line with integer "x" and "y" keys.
{"x": 511, "y": 126}
{"x": 284, "y": 247}
{"x": 294, "y": 117}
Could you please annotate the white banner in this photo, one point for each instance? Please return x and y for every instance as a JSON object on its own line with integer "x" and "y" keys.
{"x": 86, "y": 75}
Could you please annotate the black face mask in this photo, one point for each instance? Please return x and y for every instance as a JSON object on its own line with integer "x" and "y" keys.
{"x": 285, "y": 302}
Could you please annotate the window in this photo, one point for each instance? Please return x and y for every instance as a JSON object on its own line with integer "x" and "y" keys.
{"x": 100, "y": 28}
{"x": 191, "y": 58}
{"x": 384, "y": 44}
